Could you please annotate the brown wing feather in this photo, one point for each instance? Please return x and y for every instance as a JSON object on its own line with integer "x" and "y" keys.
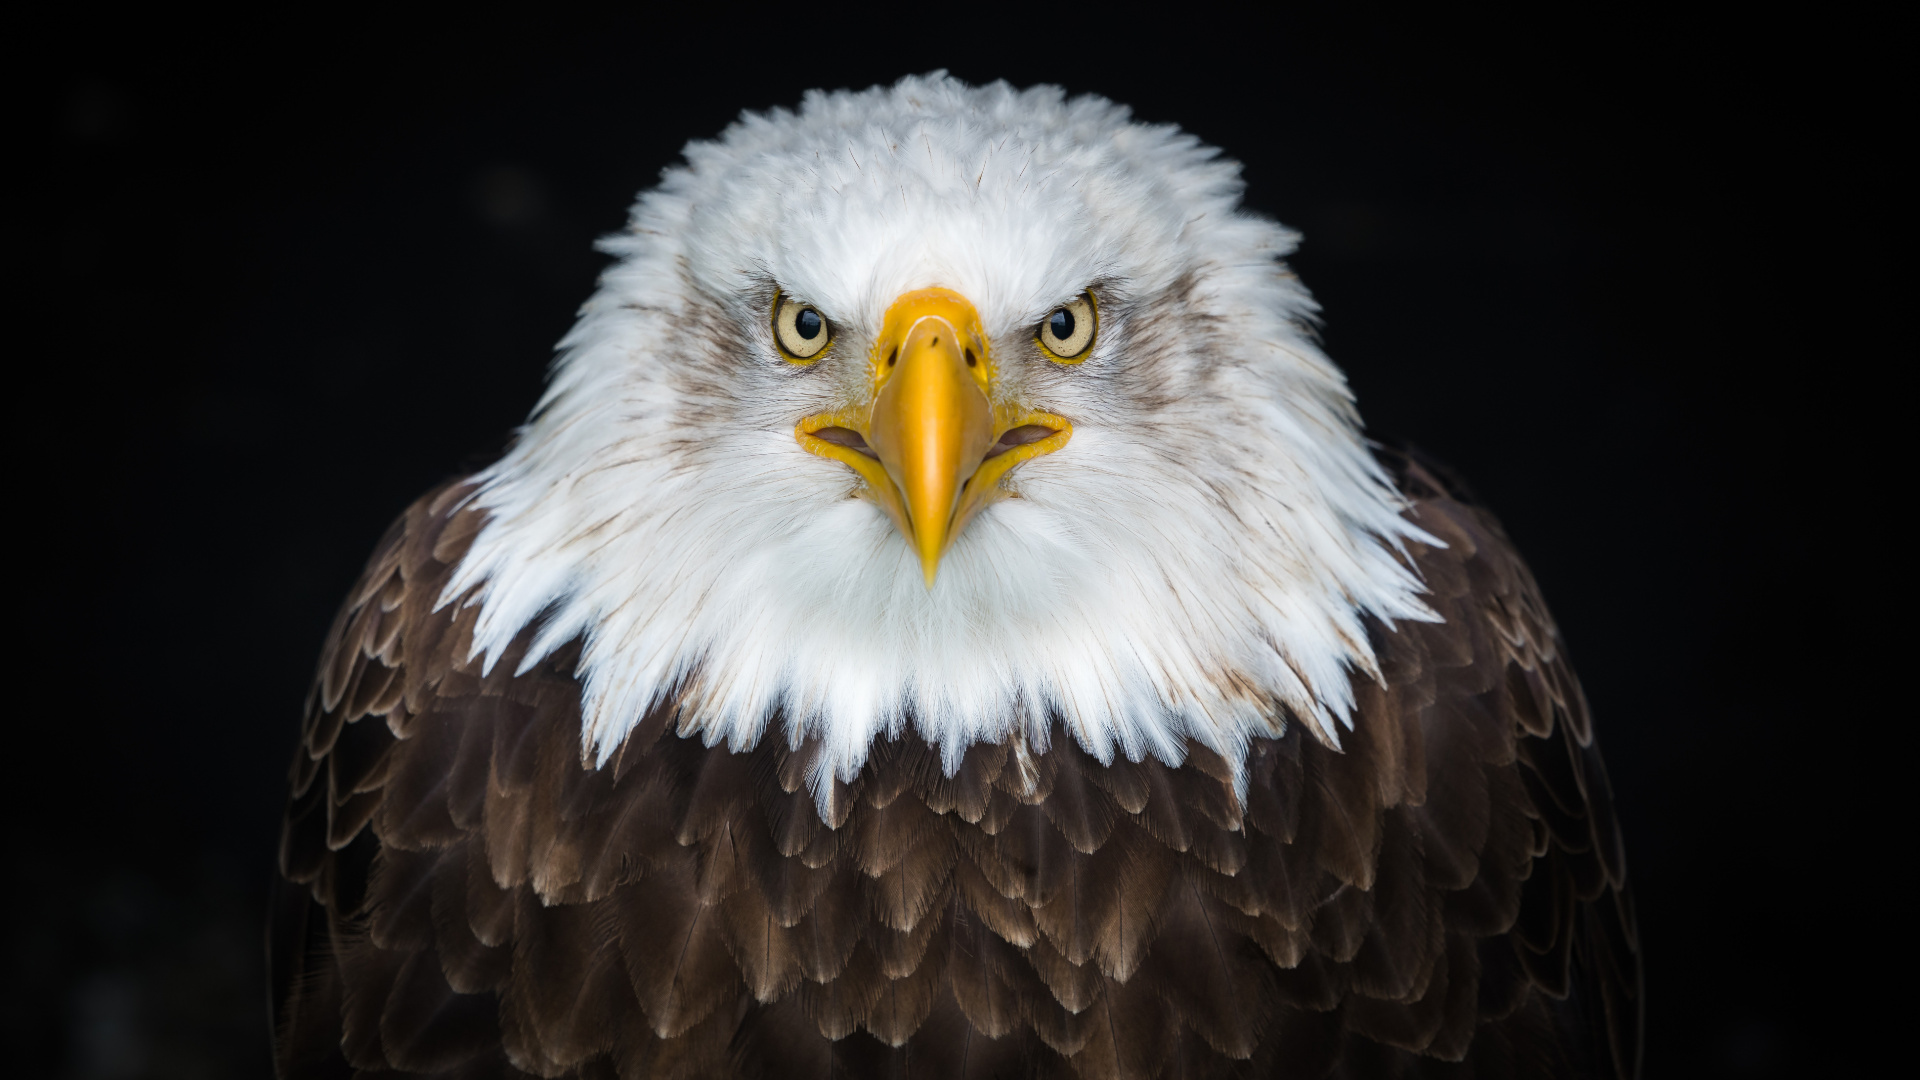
{"x": 461, "y": 896}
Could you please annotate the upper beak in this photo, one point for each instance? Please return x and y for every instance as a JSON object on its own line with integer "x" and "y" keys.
{"x": 930, "y": 442}
{"x": 932, "y": 426}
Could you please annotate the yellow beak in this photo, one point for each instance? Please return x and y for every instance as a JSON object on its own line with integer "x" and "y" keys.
{"x": 930, "y": 441}
{"x": 932, "y": 425}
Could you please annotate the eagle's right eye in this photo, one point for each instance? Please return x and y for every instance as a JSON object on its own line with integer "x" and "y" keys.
{"x": 801, "y": 331}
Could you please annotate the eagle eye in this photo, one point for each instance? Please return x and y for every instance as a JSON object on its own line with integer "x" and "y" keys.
{"x": 800, "y": 330}
{"x": 1066, "y": 334}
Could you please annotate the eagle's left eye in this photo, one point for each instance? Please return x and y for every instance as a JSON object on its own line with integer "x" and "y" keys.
{"x": 1067, "y": 331}
{"x": 800, "y": 329}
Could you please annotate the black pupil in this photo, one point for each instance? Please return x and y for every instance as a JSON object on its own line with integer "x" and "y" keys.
{"x": 1060, "y": 324}
{"x": 808, "y": 324}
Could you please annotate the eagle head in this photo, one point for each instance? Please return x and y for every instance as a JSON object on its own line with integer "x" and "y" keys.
{"x": 965, "y": 410}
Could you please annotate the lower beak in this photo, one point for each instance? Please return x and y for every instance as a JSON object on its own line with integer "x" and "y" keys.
{"x": 930, "y": 442}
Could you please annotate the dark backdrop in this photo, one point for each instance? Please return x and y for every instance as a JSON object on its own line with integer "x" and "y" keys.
{"x": 281, "y": 277}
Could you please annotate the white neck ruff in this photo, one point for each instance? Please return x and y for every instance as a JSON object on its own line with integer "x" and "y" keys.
{"x": 1197, "y": 562}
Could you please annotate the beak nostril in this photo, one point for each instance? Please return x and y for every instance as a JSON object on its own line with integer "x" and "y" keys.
{"x": 893, "y": 356}
{"x": 972, "y": 360}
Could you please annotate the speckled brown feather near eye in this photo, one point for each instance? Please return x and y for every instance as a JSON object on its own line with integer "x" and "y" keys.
{"x": 461, "y": 896}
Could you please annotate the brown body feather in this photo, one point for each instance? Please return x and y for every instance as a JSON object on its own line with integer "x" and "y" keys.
{"x": 461, "y": 897}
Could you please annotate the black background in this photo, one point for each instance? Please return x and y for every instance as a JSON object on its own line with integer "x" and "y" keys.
{"x": 282, "y": 276}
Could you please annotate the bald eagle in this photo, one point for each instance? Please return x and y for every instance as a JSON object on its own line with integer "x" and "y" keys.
{"x": 943, "y": 619}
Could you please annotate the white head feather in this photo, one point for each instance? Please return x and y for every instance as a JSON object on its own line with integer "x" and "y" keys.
{"x": 1195, "y": 563}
